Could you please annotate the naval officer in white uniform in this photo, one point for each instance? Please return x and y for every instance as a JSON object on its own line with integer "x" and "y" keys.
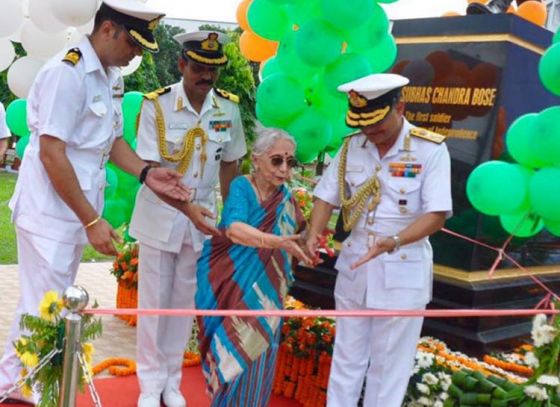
{"x": 74, "y": 116}
{"x": 392, "y": 183}
{"x": 196, "y": 129}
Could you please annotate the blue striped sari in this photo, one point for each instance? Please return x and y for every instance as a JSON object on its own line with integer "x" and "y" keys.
{"x": 239, "y": 354}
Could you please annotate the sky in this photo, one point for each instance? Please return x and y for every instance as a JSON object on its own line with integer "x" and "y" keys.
{"x": 224, "y": 10}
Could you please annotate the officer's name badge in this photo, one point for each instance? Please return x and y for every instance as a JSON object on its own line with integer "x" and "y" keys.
{"x": 220, "y": 125}
{"x": 218, "y": 114}
{"x": 405, "y": 170}
{"x": 180, "y": 126}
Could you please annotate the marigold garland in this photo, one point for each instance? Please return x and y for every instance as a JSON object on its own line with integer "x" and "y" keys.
{"x": 127, "y": 367}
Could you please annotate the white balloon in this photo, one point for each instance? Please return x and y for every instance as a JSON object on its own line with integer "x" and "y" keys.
{"x": 21, "y": 75}
{"x": 73, "y": 12}
{"x": 73, "y": 37}
{"x": 132, "y": 65}
{"x": 41, "y": 44}
{"x": 7, "y": 53}
{"x": 11, "y": 17}
{"x": 41, "y": 13}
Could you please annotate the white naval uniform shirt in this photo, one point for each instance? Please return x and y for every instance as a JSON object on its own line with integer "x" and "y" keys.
{"x": 402, "y": 279}
{"x": 80, "y": 105}
{"x": 154, "y": 222}
{"x": 4, "y": 130}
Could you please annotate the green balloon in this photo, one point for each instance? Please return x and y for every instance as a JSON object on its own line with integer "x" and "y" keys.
{"x": 266, "y": 120}
{"x": 499, "y": 188}
{"x": 344, "y": 16}
{"x": 270, "y": 67}
{"x": 16, "y": 117}
{"x": 367, "y": 36}
{"x": 546, "y": 138}
{"x": 552, "y": 226}
{"x": 346, "y": 68}
{"x": 544, "y": 193}
{"x": 126, "y": 236}
{"x": 520, "y": 141}
{"x": 280, "y": 98}
{"x": 522, "y": 225}
{"x": 131, "y": 105}
{"x": 312, "y": 131}
{"x": 383, "y": 55}
{"x": 291, "y": 64}
{"x": 549, "y": 66}
{"x": 318, "y": 43}
{"x": 304, "y": 10}
{"x": 556, "y": 37}
{"x": 268, "y": 19}
{"x": 328, "y": 102}
{"x": 21, "y": 145}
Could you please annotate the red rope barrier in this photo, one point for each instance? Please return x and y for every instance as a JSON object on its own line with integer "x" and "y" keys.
{"x": 464, "y": 313}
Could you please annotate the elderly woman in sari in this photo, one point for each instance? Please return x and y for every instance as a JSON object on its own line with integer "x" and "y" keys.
{"x": 249, "y": 267}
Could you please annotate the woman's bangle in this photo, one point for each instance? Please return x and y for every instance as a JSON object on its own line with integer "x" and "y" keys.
{"x": 93, "y": 222}
{"x": 261, "y": 240}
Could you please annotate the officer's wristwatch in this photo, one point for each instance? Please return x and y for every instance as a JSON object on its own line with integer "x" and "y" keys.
{"x": 397, "y": 241}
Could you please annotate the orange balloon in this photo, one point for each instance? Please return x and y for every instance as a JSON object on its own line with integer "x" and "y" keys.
{"x": 450, "y": 14}
{"x": 256, "y": 48}
{"x": 478, "y": 1}
{"x": 241, "y": 14}
{"x": 533, "y": 11}
{"x": 511, "y": 9}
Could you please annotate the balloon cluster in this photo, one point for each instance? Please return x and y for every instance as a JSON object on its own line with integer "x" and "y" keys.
{"x": 307, "y": 48}
{"x": 44, "y": 28}
{"x": 526, "y": 194}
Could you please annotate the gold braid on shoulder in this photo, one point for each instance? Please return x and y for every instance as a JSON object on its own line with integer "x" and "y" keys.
{"x": 184, "y": 155}
{"x": 353, "y": 206}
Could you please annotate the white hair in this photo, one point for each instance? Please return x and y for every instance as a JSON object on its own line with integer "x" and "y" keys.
{"x": 267, "y": 136}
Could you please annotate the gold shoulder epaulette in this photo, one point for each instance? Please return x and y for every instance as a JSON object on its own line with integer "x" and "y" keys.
{"x": 73, "y": 56}
{"x": 353, "y": 134}
{"x": 227, "y": 95}
{"x": 427, "y": 135}
{"x": 157, "y": 93}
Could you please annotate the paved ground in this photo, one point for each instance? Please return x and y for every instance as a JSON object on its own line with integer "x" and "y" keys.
{"x": 118, "y": 339}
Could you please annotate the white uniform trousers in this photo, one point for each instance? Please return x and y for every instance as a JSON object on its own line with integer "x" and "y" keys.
{"x": 44, "y": 265}
{"x": 166, "y": 281}
{"x": 382, "y": 349}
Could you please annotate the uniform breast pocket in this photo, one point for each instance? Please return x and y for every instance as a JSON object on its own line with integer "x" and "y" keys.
{"x": 406, "y": 193}
{"x": 406, "y": 268}
{"x": 98, "y": 108}
{"x": 174, "y": 141}
{"x": 356, "y": 176}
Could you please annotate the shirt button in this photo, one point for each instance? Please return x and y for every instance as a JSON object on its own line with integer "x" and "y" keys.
{"x": 195, "y": 175}
{"x": 403, "y": 210}
{"x": 402, "y": 191}
{"x": 198, "y": 146}
{"x": 403, "y": 256}
{"x": 377, "y": 167}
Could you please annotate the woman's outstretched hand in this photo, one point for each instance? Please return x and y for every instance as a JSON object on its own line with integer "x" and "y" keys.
{"x": 291, "y": 244}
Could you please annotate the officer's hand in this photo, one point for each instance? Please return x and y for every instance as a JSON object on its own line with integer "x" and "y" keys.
{"x": 167, "y": 182}
{"x": 381, "y": 245}
{"x": 198, "y": 214}
{"x": 312, "y": 249}
{"x": 101, "y": 236}
{"x": 291, "y": 245}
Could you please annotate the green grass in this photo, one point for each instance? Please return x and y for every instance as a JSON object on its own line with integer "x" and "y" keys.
{"x": 8, "y": 254}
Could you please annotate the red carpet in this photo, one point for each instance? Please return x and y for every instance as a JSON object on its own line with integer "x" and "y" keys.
{"x": 124, "y": 391}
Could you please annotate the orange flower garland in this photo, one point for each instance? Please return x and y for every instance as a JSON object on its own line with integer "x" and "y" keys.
{"x": 116, "y": 366}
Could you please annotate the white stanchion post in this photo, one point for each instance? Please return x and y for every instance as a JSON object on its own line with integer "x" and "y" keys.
{"x": 75, "y": 299}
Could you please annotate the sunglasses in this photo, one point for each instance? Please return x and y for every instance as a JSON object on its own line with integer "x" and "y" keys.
{"x": 277, "y": 161}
